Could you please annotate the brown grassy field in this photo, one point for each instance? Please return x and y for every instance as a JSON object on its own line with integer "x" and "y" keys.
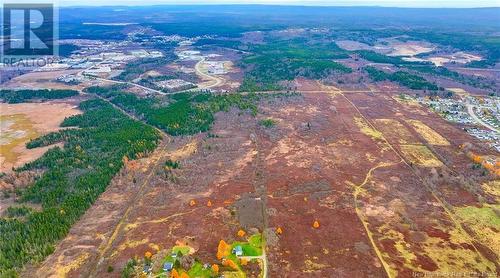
{"x": 388, "y": 202}
{"x": 24, "y": 121}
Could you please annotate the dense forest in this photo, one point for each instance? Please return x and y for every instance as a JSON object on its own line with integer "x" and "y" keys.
{"x": 404, "y": 78}
{"x": 184, "y": 113}
{"x": 18, "y": 96}
{"x": 232, "y": 20}
{"x": 287, "y": 59}
{"x": 463, "y": 29}
{"x": 73, "y": 177}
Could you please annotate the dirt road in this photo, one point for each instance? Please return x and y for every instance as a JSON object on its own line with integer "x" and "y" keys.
{"x": 327, "y": 159}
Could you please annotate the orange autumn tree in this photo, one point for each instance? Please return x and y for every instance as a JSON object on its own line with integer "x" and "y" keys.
{"x": 230, "y": 263}
{"x": 174, "y": 274}
{"x": 241, "y": 233}
{"x": 215, "y": 268}
{"x": 184, "y": 275}
{"x": 489, "y": 166}
{"x": 316, "y": 224}
{"x": 223, "y": 249}
{"x": 476, "y": 158}
{"x": 279, "y": 231}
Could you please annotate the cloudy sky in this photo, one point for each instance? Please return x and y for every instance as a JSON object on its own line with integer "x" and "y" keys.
{"x": 388, "y": 3}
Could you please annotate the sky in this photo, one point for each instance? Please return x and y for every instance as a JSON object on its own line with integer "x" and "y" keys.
{"x": 386, "y": 3}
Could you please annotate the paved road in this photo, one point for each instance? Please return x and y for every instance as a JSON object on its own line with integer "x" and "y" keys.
{"x": 129, "y": 83}
{"x": 217, "y": 80}
{"x": 81, "y": 73}
{"x": 470, "y": 109}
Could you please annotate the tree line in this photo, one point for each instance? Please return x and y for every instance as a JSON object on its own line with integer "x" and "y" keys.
{"x": 18, "y": 96}
{"x": 73, "y": 178}
{"x": 404, "y": 78}
{"x": 180, "y": 114}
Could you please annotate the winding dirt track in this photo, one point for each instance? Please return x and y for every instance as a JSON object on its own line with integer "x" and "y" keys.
{"x": 357, "y": 190}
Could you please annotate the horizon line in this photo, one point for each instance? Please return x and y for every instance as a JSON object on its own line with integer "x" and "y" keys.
{"x": 277, "y": 5}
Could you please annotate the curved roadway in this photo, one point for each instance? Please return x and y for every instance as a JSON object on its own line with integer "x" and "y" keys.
{"x": 470, "y": 110}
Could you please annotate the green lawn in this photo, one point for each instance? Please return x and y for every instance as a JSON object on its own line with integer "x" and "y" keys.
{"x": 253, "y": 247}
{"x": 198, "y": 271}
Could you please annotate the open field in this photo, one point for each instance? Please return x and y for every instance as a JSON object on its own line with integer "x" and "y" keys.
{"x": 420, "y": 155}
{"x": 24, "y": 121}
{"x": 255, "y": 141}
{"x": 428, "y": 133}
{"x": 328, "y": 158}
{"x": 45, "y": 79}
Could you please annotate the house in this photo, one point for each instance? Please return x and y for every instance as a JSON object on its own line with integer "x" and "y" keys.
{"x": 168, "y": 266}
{"x": 238, "y": 251}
